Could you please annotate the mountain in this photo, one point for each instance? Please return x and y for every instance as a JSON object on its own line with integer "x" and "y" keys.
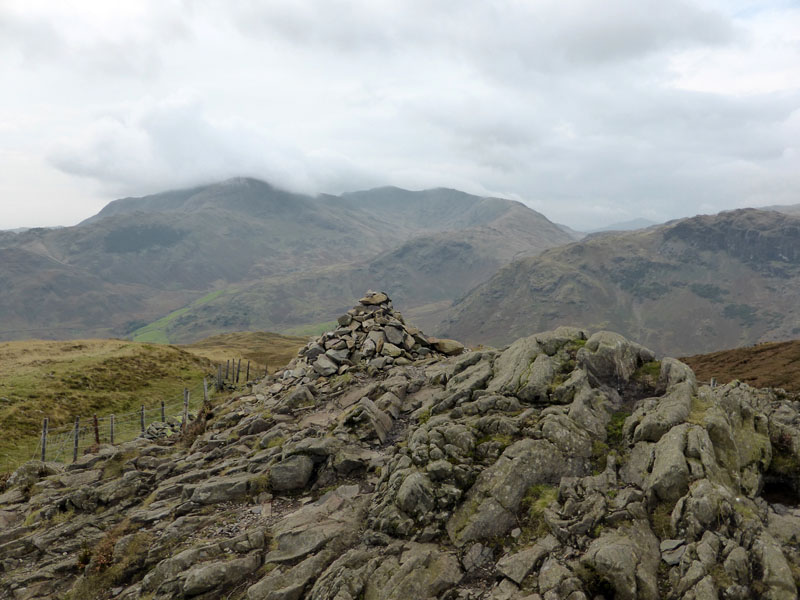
{"x": 576, "y": 235}
{"x": 139, "y": 259}
{"x": 789, "y": 209}
{"x": 690, "y": 286}
{"x": 425, "y": 274}
{"x": 626, "y": 225}
{"x": 386, "y": 465}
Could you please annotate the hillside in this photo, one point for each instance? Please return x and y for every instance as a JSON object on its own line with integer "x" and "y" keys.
{"x": 425, "y": 270}
{"x": 771, "y": 364}
{"x": 65, "y": 379}
{"x": 140, "y": 259}
{"x": 690, "y": 286}
{"x": 263, "y": 348}
{"x": 62, "y": 380}
{"x": 395, "y": 466}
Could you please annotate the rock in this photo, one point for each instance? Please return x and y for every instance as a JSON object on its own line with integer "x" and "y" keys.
{"x": 669, "y": 412}
{"x": 415, "y": 496}
{"x": 412, "y": 478}
{"x": 209, "y": 576}
{"x": 477, "y": 557}
{"x": 777, "y": 575}
{"x": 448, "y": 347}
{"x": 669, "y": 479}
{"x": 373, "y": 298}
{"x": 292, "y": 473}
{"x": 610, "y": 358}
{"x": 394, "y": 335}
{"x": 518, "y": 566}
{"x": 333, "y": 519}
{"x": 627, "y": 559}
{"x": 220, "y": 489}
{"x": 391, "y": 350}
{"x": 492, "y": 503}
{"x": 325, "y": 366}
{"x": 422, "y": 571}
{"x": 289, "y": 583}
{"x": 31, "y": 472}
{"x": 337, "y": 356}
{"x": 381, "y": 422}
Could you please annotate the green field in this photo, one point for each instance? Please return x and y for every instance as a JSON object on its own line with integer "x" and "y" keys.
{"x": 156, "y": 332}
{"x": 64, "y": 379}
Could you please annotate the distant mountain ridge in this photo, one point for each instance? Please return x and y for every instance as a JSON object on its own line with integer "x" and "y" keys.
{"x": 692, "y": 285}
{"x": 140, "y": 258}
{"x": 638, "y": 223}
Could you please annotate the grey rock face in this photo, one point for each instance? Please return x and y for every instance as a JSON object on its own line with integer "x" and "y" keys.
{"x": 291, "y": 473}
{"x": 395, "y": 471}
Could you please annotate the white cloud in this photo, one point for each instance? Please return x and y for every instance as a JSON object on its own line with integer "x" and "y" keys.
{"x": 589, "y": 111}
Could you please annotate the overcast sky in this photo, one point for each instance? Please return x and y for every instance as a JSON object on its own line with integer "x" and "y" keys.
{"x": 590, "y": 112}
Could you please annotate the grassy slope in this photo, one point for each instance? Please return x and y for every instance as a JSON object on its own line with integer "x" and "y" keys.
{"x": 156, "y": 332}
{"x": 64, "y": 379}
{"x": 260, "y": 347}
{"x": 774, "y": 364}
{"x": 61, "y": 380}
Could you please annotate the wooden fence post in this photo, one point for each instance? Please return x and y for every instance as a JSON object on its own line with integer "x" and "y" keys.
{"x": 141, "y": 418}
{"x": 96, "y": 431}
{"x": 163, "y": 413}
{"x": 75, "y": 435}
{"x": 185, "y": 408}
{"x": 44, "y": 438}
{"x": 227, "y": 368}
{"x": 238, "y": 370}
{"x": 205, "y": 391}
{"x": 713, "y": 382}
{"x": 247, "y": 375}
{"x": 111, "y": 433}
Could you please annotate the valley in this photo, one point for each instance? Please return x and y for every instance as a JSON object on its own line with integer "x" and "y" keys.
{"x": 244, "y": 255}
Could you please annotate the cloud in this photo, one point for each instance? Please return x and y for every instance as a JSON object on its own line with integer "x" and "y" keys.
{"x": 158, "y": 145}
{"x": 590, "y": 112}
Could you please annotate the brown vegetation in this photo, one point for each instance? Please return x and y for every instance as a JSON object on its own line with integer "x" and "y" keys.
{"x": 772, "y": 364}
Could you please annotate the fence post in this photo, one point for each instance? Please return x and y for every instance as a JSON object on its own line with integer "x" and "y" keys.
{"x": 266, "y": 370}
{"x": 75, "y": 435}
{"x": 163, "y": 413}
{"x": 111, "y": 437}
{"x": 141, "y": 418}
{"x": 96, "y": 431}
{"x": 713, "y": 382}
{"x": 185, "y": 408}
{"x": 247, "y": 375}
{"x": 227, "y": 368}
{"x": 44, "y": 438}
{"x": 205, "y": 391}
{"x": 238, "y": 370}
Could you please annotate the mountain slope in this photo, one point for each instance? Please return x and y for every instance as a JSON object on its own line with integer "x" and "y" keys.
{"x": 141, "y": 258}
{"x": 424, "y": 271}
{"x": 639, "y": 223}
{"x": 771, "y": 364}
{"x": 690, "y": 286}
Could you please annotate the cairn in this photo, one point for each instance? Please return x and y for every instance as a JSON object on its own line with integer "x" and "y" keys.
{"x": 372, "y": 336}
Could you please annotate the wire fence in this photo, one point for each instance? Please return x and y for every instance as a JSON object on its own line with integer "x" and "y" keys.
{"x": 64, "y": 443}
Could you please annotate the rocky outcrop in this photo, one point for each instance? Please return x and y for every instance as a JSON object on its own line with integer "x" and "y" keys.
{"x": 565, "y": 466}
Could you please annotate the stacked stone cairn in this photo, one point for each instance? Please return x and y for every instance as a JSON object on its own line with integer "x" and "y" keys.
{"x": 371, "y": 336}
